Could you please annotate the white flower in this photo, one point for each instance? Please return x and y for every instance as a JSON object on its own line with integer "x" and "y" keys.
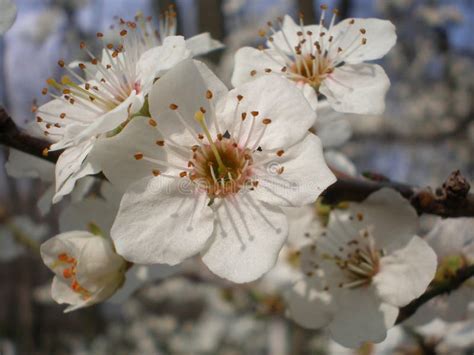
{"x": 214, "y": 169}
{"x": 87, "y": 268}
{"x": 358, "y": 273}
{"x": 453, "y": 242}
{"x": 7, "y": 15}
{"x": 85, "y": 110}
{"x": 323, "y": 60}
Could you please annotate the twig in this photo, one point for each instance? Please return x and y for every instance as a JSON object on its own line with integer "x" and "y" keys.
{"x": 446, "y": 287}
{"x": 450, "y": 200}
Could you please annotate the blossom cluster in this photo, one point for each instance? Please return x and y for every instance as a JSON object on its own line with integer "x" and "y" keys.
{"x": 197, "y": 172}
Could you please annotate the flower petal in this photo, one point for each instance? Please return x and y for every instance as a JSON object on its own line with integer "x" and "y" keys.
{"x": 140, "y": 275}
{"x": 309, "y": 307}
{"x": 247, "y": 239}
{"x": 332, "y": 127}
{"x": 185, "y": 86}
{"x": 269, "y": 97}
{"x": 304, "y": 177}
{"x": 162, "y": 220}
{"x": 71, "y": 166}
{"x": 361, "y": 317}
{"x": 202, "y": 43}
{"x": 358, "y": 88}
{"x": 405, "y": 273}
{"x": 116, "y": 154}
{"x": 251, "y": 63}
{"x": 380, "y": 36}
{"x": 157, "y": 60}
{"x": 390, "y": 217}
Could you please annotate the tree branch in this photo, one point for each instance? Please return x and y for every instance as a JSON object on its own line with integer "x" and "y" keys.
{"x": 452, "y": 199}
{"x": 11, "y": 136}
{"x": 446, "y": 287}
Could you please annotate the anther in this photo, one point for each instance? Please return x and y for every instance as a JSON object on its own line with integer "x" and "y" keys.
{"x": 254, "y": 113}
{"x": 161, "y": 143}
{"x": 239, "y": 97}
{"x": 209, "y": 94}
{"x": 280, "y": 152}
{"x": 138, "y": 156}
{"x": 173, "y": 106}
{"x": 266, "y": 121}
{"x": 152, "y": 122}
{"x": 156, "y": 172}
{"x": 183, "y": 174}
{"x": 253, "y": 73}
{"x": 61, "y": 63}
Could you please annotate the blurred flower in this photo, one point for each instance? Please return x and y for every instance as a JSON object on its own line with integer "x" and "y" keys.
{"x": 368, "y": 263}
{"x": 248, "y": 160}
{"x": 18, "y": 235}
{"x": 22, "y": 165}
{"x": 453, "y": 242}
{"x": 87, "y": 269}
{"x": 327, "y": 61}
{"x": 7, "y": 15}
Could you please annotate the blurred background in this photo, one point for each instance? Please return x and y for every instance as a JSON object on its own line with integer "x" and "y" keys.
{"x": 426, "y": 132}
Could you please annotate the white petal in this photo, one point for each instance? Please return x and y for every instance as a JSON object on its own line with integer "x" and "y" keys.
{"x": 309, "y": 307}
{"x": 405, "y": 273}
{"x": 332, "y": 127}
{"x": 380, "y": 35}
{"x": 45, "y": 201}
{"x": 162, "y": 221}
{"x": 452, "y": 236}
{"x": 358, "y": 88}
{"x": 22, "y": 165}
{"x": 71, "y": 166}
{"x": 272, "y": 97}
{"x": 202, "y": 43}
{"x": 300, "y": 221}
{"x": 99, "y": 266}
{"x": 309, "y": 93}
{"x": 247, "y": 239}
{"x": 340, "y": 162}
{"x": 390, "y": 216}
{"x": 117, "y": 154}
{"x": 361, "y": 317}
{"x": 156, "y": 61}
{"x": 92, "y": 211}
{"x": 287, "y": 38}
{"x": 140, "y": 275}
{"x": 305, "y": 175}
{"x": 112, "y": 119}
{"x": 185, "y": 86}
{"x": 248, "y": 59}
{"x": 7, "y": 15}
{"x": 62, "y": 292}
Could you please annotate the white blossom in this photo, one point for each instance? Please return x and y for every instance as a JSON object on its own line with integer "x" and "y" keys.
{"x": 84, "y": 111}
{"x": 366, "y": 265}
{"x": 453, "y": 242}
{"x": 87, "y": 268}
{"x": 213, "y": 167}
{"x": 327, "y": 61}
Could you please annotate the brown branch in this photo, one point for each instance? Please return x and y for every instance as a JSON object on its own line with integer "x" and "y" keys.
{"x": 450, "y": 200}
{"x": 443, "y": 288}
{"x": 11, "y": 136}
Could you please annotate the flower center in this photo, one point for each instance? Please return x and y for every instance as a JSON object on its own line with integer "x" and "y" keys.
{"x": 311, "y": 71}
{"x": 221, "y": 167}
{"x": 69, "y": 266}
